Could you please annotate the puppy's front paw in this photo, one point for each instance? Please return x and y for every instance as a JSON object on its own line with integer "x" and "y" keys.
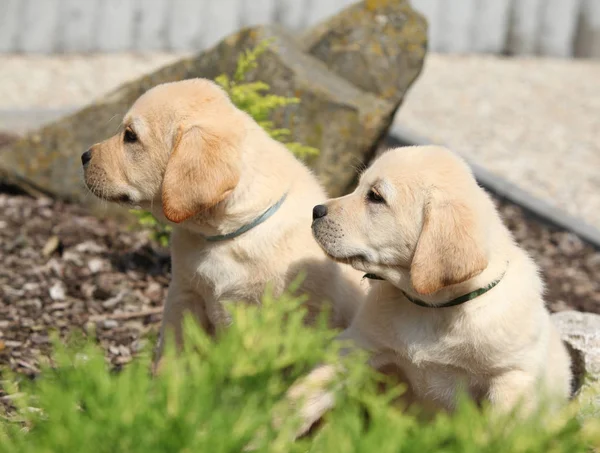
{"x": 310, "y": 398}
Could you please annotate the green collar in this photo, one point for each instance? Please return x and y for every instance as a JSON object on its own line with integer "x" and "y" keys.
{"x": 457, "y": 301}
{"x": 260, "y": 219}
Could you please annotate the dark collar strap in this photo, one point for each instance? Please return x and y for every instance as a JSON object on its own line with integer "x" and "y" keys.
{"x": 457, "y": 301}
{"x": 373, "y": 277}
{"x": 260, "y": 219}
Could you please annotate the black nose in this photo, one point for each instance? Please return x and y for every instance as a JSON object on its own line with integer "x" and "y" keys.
{"x": 319, "y": 211}
{"x": 86, "y": 157}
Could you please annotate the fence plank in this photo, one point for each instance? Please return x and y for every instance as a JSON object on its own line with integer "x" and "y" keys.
{"x": 456, "y": 25}
{"x": 257, "y": 12}
{"x": 186, "y": 24}
{"x": 431, "y": 10}
{"x": 9, "y": 24}
{"x": 558, "y": 26}
{"x": 490, "y": 26}
{"x": 222, "y": 17}
{"x": 39, "y": 26}
{"x": 114, "y": 31}
{"x": 77, "y": 31}
{"x": 587, "y": 42}
{"x": 293, "y": 14}
{"x": 151, "y": 29}
{"x": 524, "y": 25}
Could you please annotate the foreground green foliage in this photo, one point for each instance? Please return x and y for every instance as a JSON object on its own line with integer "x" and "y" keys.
{"x": 253, "y": 98}
{"x": 220, "y": 396}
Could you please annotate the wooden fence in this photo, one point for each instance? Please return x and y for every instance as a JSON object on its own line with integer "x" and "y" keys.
{"x": 561, "y": 28}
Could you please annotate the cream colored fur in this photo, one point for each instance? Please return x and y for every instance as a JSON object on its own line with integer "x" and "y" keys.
{"x": 207, "y": 168}
{"x": 419, "y": 220}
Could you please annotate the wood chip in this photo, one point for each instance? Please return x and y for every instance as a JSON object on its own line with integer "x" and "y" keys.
{"x": 51, "y": 246}
{"x": 129, "y": 315}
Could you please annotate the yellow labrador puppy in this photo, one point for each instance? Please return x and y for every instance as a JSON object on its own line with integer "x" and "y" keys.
{"x": 239, "y": 202}
{"x": 455, "y": 303}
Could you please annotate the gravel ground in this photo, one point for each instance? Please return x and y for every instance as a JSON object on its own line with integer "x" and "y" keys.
{"x": 535, "y": 122}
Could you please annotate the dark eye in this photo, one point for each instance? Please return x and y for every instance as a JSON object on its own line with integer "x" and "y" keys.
{"x": 374, "y": 197}
{"x": 130, "y": 136}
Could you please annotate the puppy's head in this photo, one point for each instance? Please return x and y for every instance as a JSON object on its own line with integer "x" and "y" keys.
{"x": 415, "y": 212}
{"x": 179, "y": 145}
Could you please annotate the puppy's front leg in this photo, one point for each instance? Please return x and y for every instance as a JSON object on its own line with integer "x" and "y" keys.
{"x": 180, "y": 301}
{"x": 313, "y": 393}
{"x": 513, "y": 390}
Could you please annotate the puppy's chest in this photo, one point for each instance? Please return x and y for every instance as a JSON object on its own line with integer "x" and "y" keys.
{"x": 227, "y": 273}
{"x": 424, "y": 343}
{"x": 435, "y": 362}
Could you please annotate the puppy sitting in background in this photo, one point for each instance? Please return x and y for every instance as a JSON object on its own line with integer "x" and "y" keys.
{"x": 238, "y": 201}
{"x": 455, "y": 303}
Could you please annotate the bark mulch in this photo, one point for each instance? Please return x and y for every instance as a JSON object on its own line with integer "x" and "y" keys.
{"x": 63, "y": 269}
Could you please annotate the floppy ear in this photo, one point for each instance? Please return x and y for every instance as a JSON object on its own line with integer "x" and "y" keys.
{"x": 202, "y": 170}
{"x": 450, "y": 249}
